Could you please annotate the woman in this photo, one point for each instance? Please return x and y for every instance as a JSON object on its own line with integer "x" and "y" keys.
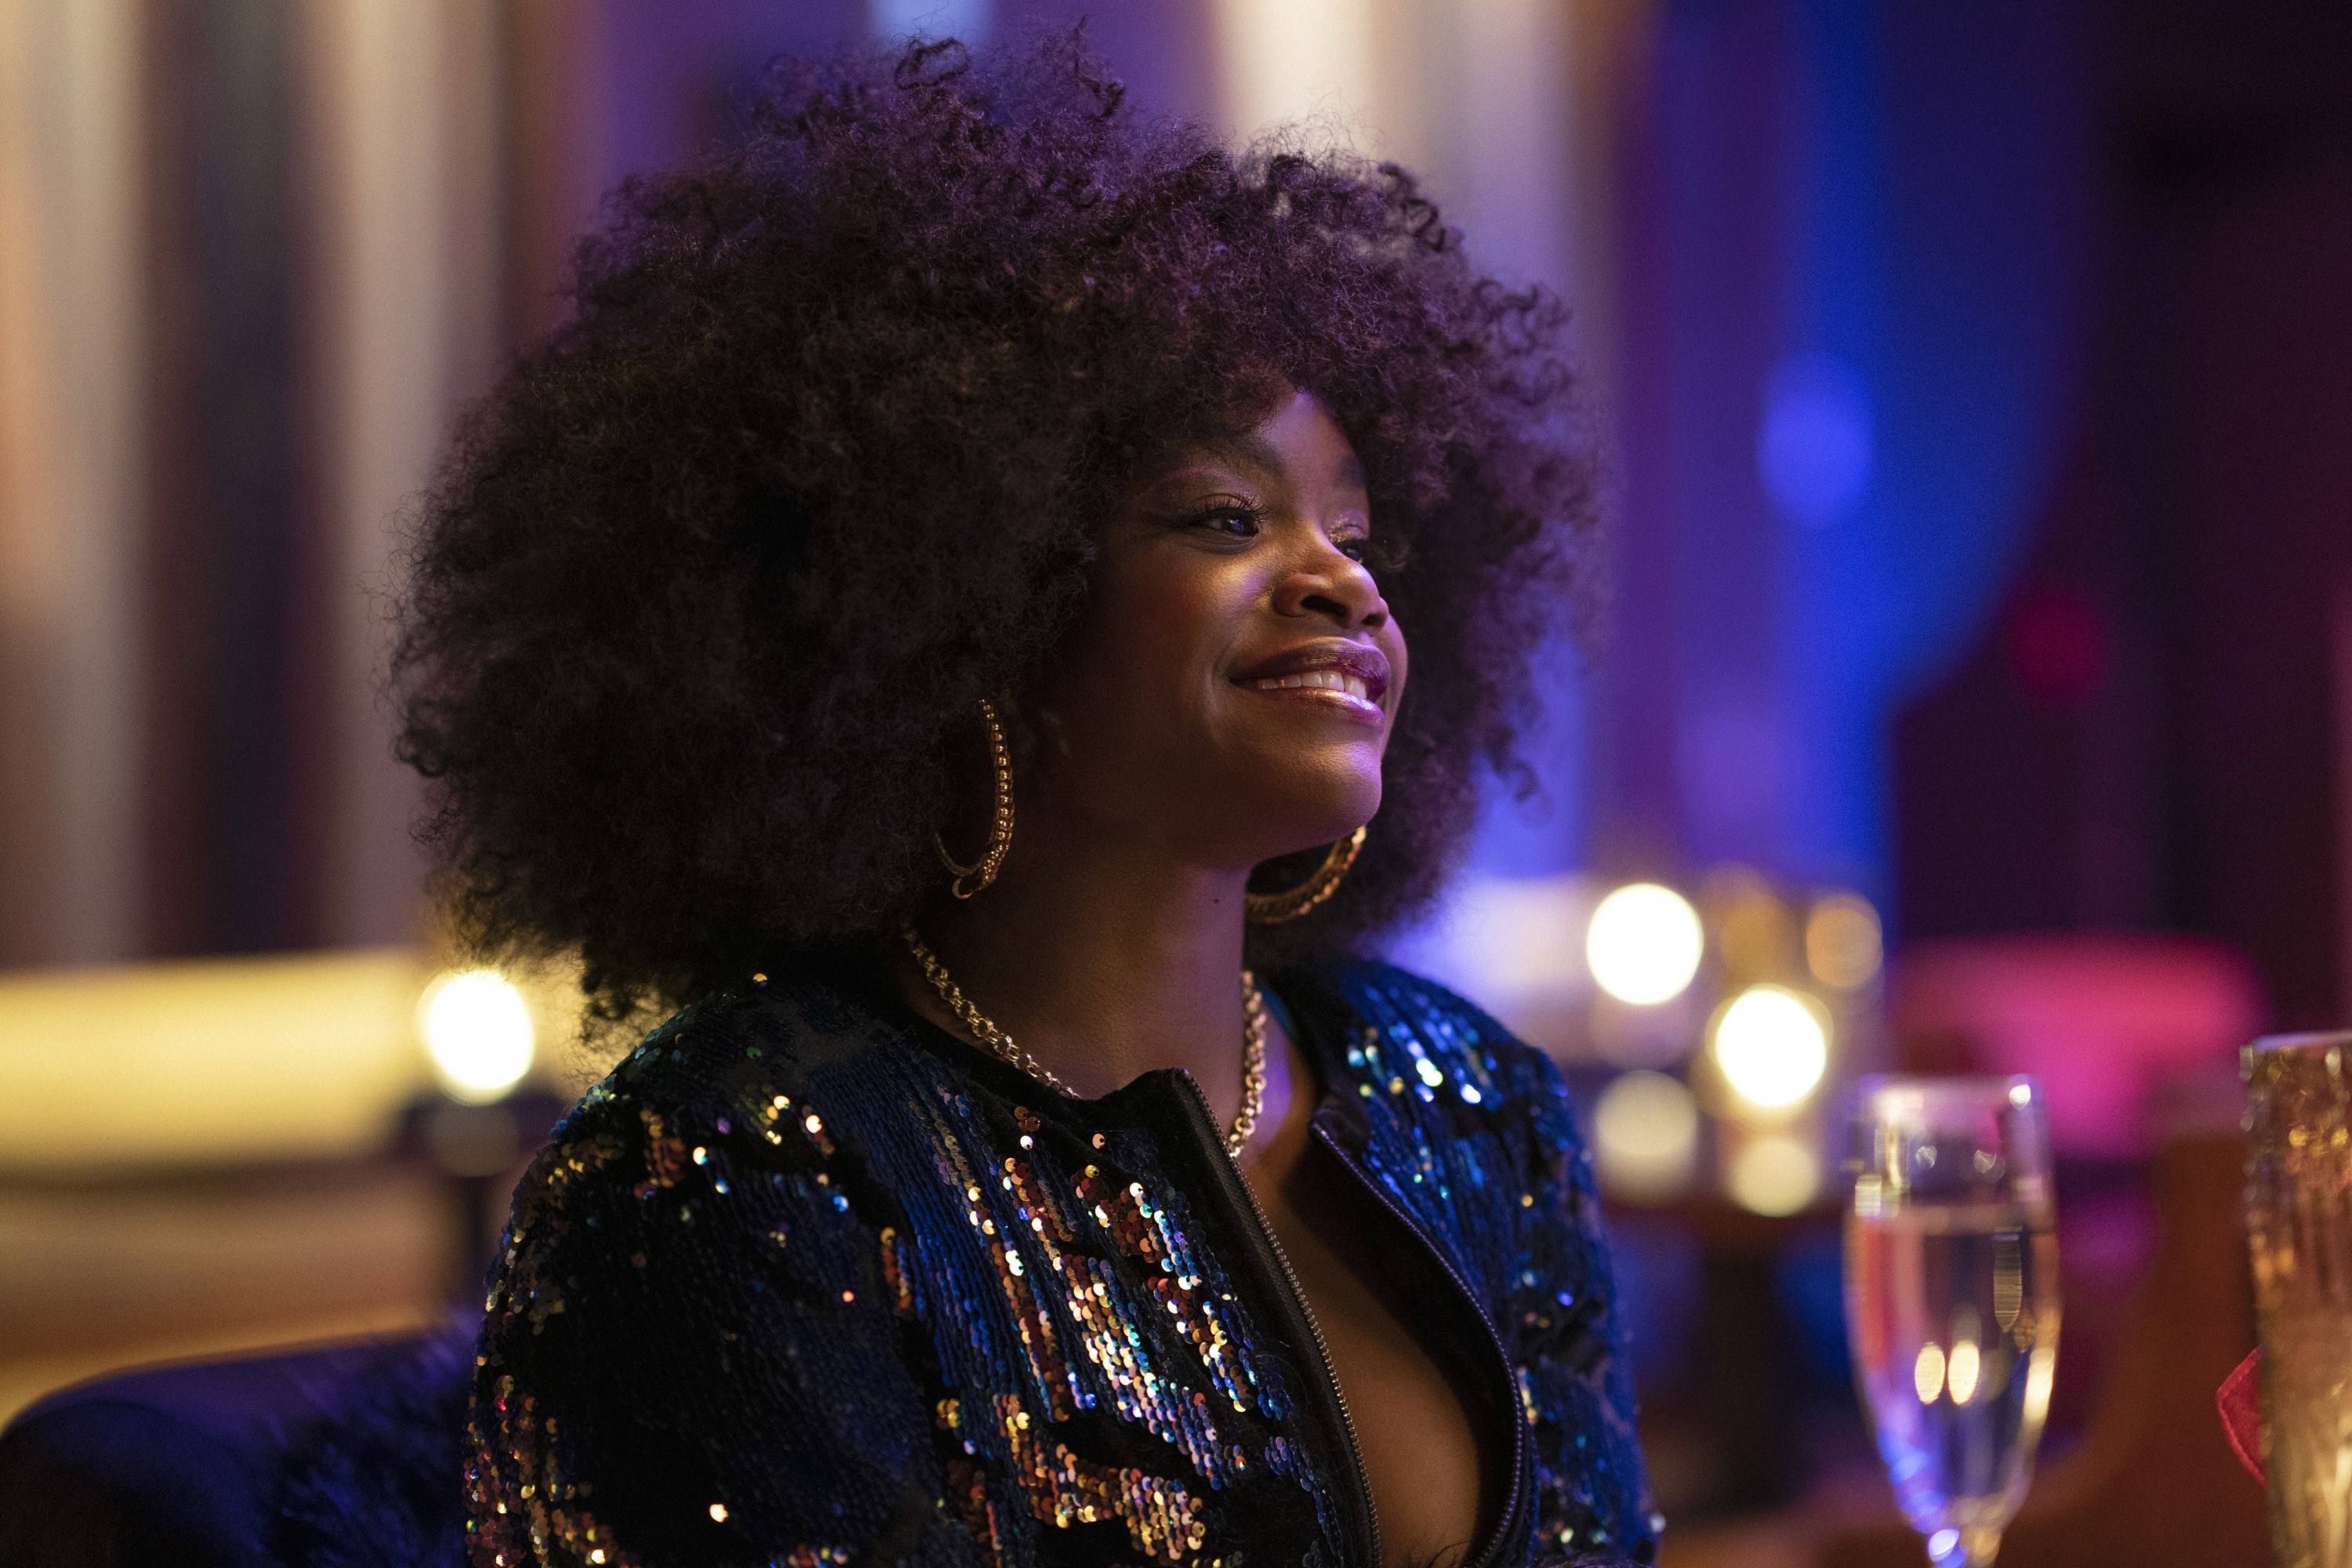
{"x": 938, "y": 617}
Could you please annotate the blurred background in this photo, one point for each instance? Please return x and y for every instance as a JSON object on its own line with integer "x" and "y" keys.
{"x": 1975, "y": 691}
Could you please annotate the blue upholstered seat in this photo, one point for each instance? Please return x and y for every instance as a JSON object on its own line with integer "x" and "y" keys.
{"x": 324, "y": 1458}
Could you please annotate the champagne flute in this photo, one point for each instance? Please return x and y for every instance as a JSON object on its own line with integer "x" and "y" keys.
{"x": 2299, "y": 1240}
{"x": 1951, "y": 1298}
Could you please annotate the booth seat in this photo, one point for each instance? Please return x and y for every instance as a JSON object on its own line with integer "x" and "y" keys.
{"x": 344, "y": 1455}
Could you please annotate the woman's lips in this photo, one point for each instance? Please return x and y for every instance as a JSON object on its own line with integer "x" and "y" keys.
{"x": 1348, "y": 677}
{"x": 1316, "y": 680}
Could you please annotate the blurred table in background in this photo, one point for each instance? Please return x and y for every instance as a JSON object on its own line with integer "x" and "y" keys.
{"x": 207, "y": 1157}
{"x": 98, "y": 1274}
{"x": 2148, "y": 1482}
{"x": 205, "y": 1064}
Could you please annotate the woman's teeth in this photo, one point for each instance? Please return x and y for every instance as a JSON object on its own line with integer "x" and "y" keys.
{"x": 1322, "y": 679}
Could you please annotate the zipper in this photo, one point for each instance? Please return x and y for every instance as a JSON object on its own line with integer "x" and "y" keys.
{"x": 1222, "y": 1162}
{"x": 1515, "y": 1500}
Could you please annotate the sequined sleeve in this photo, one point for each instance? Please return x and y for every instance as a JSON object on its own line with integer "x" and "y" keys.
{"x": 1576, "y": 1375}
{"x": 1476, "y": 1132}
{"x": 692, "y": 1354}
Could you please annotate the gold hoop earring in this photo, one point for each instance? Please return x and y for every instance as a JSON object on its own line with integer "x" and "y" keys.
{"x": 1274, "y": 908}
{"x": 982, "y": 871}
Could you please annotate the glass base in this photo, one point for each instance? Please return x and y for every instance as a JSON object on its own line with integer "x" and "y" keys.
{"x": 1953, "y": 1548}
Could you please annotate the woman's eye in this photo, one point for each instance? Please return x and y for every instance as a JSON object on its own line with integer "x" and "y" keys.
{"x": 1233, "y": 522}
{"x": 1356, "y": 549}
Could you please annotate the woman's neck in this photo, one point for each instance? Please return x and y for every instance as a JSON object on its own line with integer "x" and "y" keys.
{"x": 1104, "y": 960}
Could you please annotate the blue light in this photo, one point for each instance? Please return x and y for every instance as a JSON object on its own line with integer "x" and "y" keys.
{"x": 963, "y": 19}
{"x": 1813, "y": 448}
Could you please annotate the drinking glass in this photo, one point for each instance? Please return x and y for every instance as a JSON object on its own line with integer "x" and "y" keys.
{"x": 1951, "y": 1297}
{"x": 2299, "y": 1240}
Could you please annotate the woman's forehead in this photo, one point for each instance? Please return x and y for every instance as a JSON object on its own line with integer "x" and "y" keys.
{"x": 1299, "y": 442}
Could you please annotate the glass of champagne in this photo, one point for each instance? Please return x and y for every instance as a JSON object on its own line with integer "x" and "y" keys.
{"x": 2299, "y": 1240}
{"x": 1951, "y": 1297}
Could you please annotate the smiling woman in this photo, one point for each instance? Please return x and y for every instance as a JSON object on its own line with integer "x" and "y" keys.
{"x": 959, "y": 463}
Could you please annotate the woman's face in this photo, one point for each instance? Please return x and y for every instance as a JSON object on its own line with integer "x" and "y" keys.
{"x": 1230, "y": 687}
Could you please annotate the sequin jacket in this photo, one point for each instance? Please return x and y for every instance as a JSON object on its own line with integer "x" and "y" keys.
{"x": 807, "y": 1280}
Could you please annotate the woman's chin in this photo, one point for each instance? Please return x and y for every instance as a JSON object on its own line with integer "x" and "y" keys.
{"x": 1322, "y": 807}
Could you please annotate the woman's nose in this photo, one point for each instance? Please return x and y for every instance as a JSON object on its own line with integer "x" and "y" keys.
{"x": 1332, "y": 585}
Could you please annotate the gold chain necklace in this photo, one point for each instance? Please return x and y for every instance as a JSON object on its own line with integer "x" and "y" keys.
{"x": 1002, "y": 1046}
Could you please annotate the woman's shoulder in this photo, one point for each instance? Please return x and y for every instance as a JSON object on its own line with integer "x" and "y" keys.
{"x": 770, "y": 1033}
{"x": 700, "y": 1293}
{"x": 1375, "y": 984}
{"x": 755, "y": 1071}
{"x": 1387, "y": 1022}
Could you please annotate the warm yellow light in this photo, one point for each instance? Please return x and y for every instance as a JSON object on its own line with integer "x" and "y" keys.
{"x": 1645, "y": 1133}
{"x": 1927, "y": 1374}
{"x": 1772, "y": 1045}
{"x": 1285, "y": 62}
{"x": 1843, "y": 942}
{"x": 205, "y": 1062}
{"x": 1775, "y": 1175}
{"x": 1643, "y": 944}
{"x": 478, "y": 1031}
{"x": 1960, "y": 1372}
{"x": 1755, "y": 933}
{"x": 2041, "y": 1365}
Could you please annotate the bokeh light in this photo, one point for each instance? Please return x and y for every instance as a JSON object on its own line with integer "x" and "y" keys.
{"x": 1643, "y": 944}
{"x": 1757, "y": 934}
{"x": 1843, "y": 943}
{"x": 1775, "y": 1175}
{"x": 1813, "y": 449}
{"x": 477, "y": 1030}
{"x": 1645, "y": 1131}
{"x": 1961, "y": 1371}
{"x": 1773, "y": 1046}
{"x": 1927, "y": 1373}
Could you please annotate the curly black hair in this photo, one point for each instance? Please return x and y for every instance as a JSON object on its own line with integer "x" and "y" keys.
{"x": 714, "y": 580}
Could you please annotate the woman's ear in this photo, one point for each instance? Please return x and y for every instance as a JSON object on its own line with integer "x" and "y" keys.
{"x": 1038, "y": 738}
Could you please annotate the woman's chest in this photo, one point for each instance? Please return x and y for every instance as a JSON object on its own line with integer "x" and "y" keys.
{"x": 1431, "y": 1435}
{"x": 1112, "y": 1380}
{"x": 1130, "y": 1346}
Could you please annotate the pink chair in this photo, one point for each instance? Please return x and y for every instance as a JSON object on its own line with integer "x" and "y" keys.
{"x": 2113, "y": 1025}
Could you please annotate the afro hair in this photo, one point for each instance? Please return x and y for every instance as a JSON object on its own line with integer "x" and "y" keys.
{"x": 715, "y": 578}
